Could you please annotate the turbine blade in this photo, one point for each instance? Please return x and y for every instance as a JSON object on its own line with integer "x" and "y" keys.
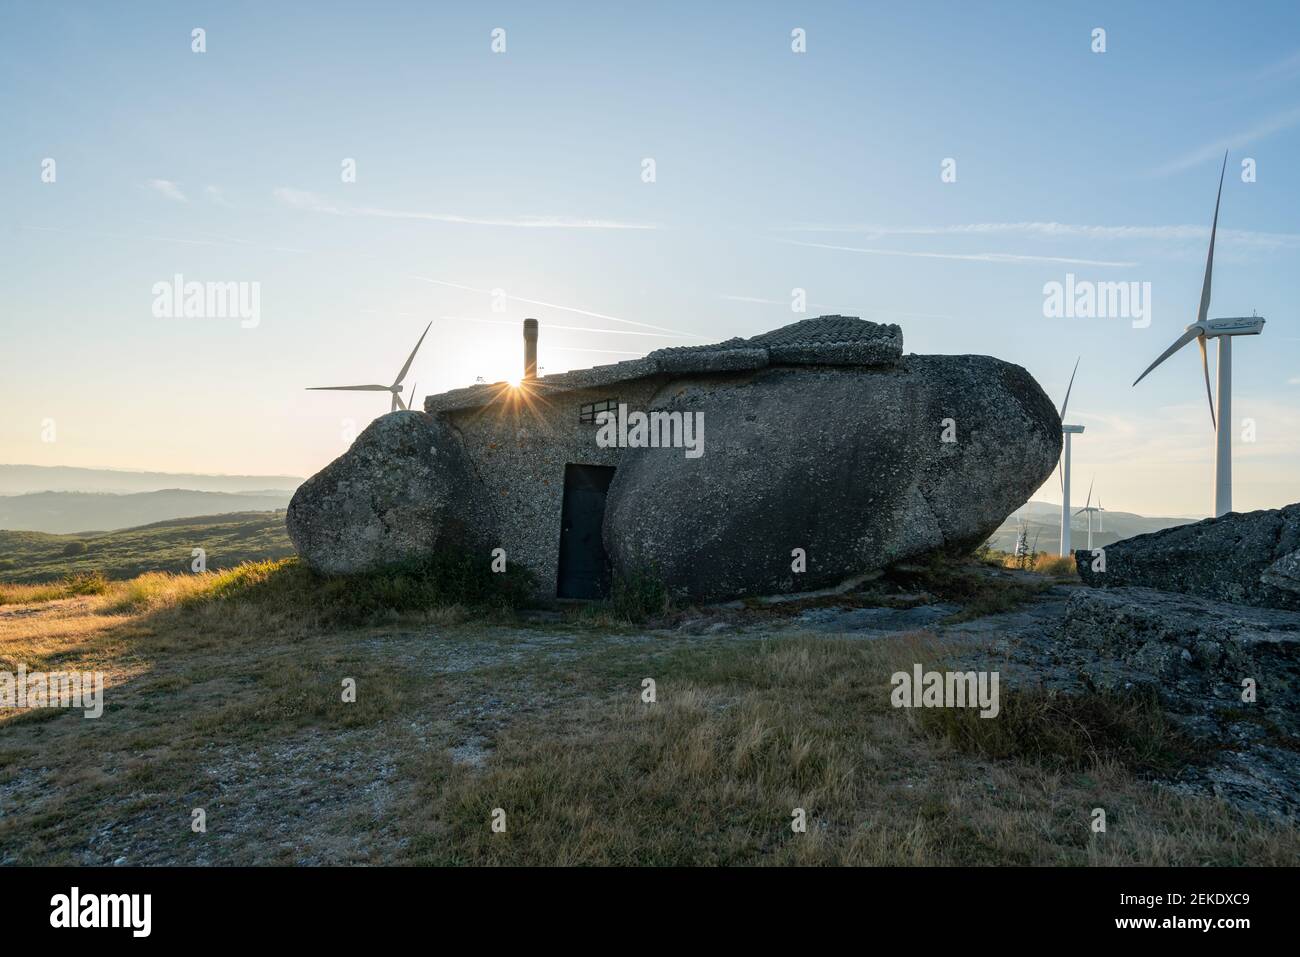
{"x": 347, "y": 388}
{"x": 397, "y": 403}
{"x": 1205, "y": 367}
{"x": 410, "y": 402}
{"x": 1067, "y": 390}
{"x": 1080, "y": 512}
{"x": 1204, "y": 310}
{"x": 1181, "y": 341}
{"x": 411, "y": 358}
{"x": 1088, "y": 503}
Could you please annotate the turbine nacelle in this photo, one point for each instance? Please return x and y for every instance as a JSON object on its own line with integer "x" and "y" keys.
{"x": 1235, "y": 326}
{"x": 1072, "y": 429}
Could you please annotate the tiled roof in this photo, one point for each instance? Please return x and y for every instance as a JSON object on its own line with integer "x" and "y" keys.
{"x": 825, "y": 340}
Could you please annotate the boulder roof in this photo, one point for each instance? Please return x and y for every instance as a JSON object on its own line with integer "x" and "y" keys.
{"x": 824, "y": 340}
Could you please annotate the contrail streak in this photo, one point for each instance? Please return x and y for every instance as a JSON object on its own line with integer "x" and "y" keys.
{"x": 552, "y": 305}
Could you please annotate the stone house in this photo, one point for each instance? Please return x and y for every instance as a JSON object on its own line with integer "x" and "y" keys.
{"x": 786, "y": 461}
{"x": 534, "y": 445}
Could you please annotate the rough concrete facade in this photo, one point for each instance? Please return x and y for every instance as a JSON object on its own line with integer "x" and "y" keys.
{"x": 519, "y": 445}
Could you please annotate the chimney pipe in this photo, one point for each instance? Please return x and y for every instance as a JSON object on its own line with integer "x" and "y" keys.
{"x": 530, "y": 348}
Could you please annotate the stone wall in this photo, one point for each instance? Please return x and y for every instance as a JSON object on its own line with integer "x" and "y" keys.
{"x": 519, "y": 444}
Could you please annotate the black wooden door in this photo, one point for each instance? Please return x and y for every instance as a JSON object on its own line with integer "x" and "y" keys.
{"x": 584, "y": 567}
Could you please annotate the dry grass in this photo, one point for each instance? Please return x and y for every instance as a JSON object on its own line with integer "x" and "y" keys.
{"x": 712, "y": 772}
{"x": 69, "y": 587}
{"x": 223, "y": 698}
{"x": 1061, "y": 566}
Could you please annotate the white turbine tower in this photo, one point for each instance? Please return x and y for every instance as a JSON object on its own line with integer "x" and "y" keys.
{"x": 1064, "y": 466}
{"x": 1222, "y": 330}
{"x": 1090, "y": 508}
{"x": 395, "y": 388}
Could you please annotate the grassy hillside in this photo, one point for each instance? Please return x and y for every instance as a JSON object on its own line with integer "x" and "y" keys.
{"x": 21, "y": 479}
{"x": 224, "y": 692}
{"x": 162, "y": 546}
{"x": 79, "y": 512}
{"x": 1043, "y": 524}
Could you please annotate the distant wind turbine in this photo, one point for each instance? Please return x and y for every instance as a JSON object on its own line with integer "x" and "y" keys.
{"x": 1223, "y": 330}
{"x": 1090, "y": 508}
{"x": 1064, "y": 466}
{"x": 395, "y": 388}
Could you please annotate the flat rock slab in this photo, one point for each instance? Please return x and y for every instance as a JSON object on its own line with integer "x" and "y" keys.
{"x": 884, "y": 620}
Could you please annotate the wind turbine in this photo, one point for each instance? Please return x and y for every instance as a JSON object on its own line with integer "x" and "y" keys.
{"x": 395, "y": 388}
{"x": 1222, "y": 330}
{"x": 1064, "y": 466}
{"x": 1090, "y": 508}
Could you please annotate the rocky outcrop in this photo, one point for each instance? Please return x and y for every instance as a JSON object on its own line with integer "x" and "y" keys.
{"x": 404, "y": 490}
{"x": 1229, "y": 675}
{"x": 858, "y": 467}
{"x": 1242, "y": 557}
{"x": 1283, "y": 574}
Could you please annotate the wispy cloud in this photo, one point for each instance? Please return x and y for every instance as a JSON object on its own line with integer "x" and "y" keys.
{"x": 167, "y": 188}
{"x": 301, "y": 199}
{"x": 551, "y": 325}
{"x": 1011, "y": 258}
{"x": 1214, "y": 151}
{"x": 854, "y": 311}
{"x": 183, "y": 240}
{"x": 552, "y": 305}
{"x": 1053, "y": 230}
{"x": 215, "y": 195}
{"x": 1284, "y": 69}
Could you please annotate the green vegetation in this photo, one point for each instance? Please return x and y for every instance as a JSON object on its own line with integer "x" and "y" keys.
{"x": 410, "y": 587}
{"x": 1077, "y": 732}
{"x": 93, "y": 583}
{"x": 167, "y": 546}
{"x": 286, "y": 587}
{"x": 639, "y": 597}
{"x": 1042, "y": 563}
{"x": 979, "y": 590}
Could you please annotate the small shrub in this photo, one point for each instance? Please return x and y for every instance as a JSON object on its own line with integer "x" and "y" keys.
{"x": 979, "y": 592}
{"x": 93, "y": 583}
{"x": 1062, "y": 731}
{"x": 422, "y": 585}
{"x": 639, "y": 596}
{"x": 74, "y": 548}
{"x": 1057, "y": 565}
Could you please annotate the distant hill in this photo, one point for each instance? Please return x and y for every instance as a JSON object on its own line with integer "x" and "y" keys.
{"x": 21, "y": 479}
{"x": 162, "y": 546}
{"x": 62, "y": 512}
{"x": 1043, "y": 523}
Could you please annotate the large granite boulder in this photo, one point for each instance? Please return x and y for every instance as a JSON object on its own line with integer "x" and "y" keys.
{"x": 1241, "y": 557}
{"x": 848, "y": 463}
{"x": 405, "y": 489}
{"x": 1284, "y": 574}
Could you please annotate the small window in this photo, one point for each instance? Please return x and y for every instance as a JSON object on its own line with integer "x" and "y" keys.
{"x": 588, "y": 412}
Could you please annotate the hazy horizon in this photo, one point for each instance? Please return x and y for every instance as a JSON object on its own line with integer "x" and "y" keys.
{"x": 522, "y": 171}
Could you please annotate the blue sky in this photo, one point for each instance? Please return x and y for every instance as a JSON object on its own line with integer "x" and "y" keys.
{"x": 522, "y": 171}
